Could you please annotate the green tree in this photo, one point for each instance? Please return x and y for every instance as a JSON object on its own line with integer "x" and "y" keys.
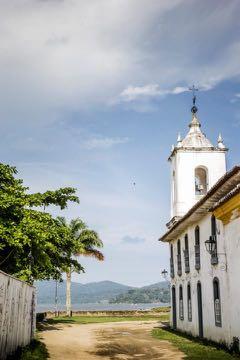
{"x": 33, "y": 245}
{"x": 86, "y": 242}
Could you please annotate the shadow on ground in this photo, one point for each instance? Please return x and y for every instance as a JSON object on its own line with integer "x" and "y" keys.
{"x": 127, "y": 345}
{"x": 116, "y": 350}
{"x": 46, "y": 326}
{"x": 36, "y": 350}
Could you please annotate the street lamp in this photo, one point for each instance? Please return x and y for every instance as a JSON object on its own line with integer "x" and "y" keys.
{"x": 164, "y": 274}
{"x": 210, "y": 245}
{"x": 56, "y": 298}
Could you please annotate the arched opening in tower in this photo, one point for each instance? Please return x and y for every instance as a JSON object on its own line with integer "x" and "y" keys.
{"x": 201, "y": 181}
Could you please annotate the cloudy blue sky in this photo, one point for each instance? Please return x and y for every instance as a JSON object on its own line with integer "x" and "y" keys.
{"x": 93, "y": 94}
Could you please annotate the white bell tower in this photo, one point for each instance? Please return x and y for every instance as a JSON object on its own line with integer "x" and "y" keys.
{"x": 196, "y": 165}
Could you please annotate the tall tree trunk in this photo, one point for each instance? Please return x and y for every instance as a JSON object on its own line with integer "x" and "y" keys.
{"x": 68, "y": 293}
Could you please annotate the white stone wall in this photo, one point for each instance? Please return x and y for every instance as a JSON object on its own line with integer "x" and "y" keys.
{"x": 183, "y": 165}
{"x": 228, "y": 273}
{"x": 17, "y": 314}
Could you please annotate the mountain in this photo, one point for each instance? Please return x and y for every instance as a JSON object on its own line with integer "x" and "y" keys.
{"x": 154, "y": 293}
{"x": 159, "y": 285}
{"x": 81, "y": 293}
{"x": 102, "y": 291}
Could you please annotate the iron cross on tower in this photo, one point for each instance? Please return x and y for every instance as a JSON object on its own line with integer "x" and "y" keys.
{"x": 194, "y": 109}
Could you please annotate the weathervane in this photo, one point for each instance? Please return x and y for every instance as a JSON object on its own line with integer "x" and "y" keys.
{"x": 194, "y": 109}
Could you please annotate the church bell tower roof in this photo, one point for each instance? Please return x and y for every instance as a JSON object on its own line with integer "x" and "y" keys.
{"x": 196, "y": 165}
{"x": 195, "y": 138}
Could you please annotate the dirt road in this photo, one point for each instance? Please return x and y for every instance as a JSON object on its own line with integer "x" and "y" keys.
{"x": 120, "y": 341}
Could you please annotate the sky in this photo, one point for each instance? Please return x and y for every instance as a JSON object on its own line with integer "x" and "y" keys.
{"x": 93, "y": 94}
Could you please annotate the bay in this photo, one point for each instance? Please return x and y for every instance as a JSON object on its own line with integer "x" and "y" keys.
{"x": 100, "y": 307}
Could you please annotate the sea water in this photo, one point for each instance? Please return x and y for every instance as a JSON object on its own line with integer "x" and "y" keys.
{"x": 100, "y": 307}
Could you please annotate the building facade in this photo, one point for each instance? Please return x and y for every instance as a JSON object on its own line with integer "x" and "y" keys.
{"x": 204, "y": 238}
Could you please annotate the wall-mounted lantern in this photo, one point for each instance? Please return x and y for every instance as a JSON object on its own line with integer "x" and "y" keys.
{"x": 164, "y": 274}
{"x": 210, "y": 245}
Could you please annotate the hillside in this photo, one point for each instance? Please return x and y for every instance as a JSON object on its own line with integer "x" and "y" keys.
{"x": 81, "y": 293}
{"x": 103, "y": 291}
{"x": 154, "y": 293}
{"x": 159, "y": 285}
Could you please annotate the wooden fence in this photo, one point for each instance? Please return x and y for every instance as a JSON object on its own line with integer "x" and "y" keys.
{"x": 17, "y": 314}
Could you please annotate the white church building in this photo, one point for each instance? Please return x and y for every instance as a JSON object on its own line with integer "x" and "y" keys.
{"x": 204, "y": 238}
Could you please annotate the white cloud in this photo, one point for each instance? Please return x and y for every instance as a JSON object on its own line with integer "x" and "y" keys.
{"x": 132, "y": 93}
{"x": 178, "y": 90}
{"x": 104, "y": 142}
{"x": 235, "y": 99}
{"x": 133, "y": 240}
{"x": 77, "y": 54}
{"x": 148, "y": 91}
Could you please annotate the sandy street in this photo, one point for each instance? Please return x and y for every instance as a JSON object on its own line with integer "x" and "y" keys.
{"x": 125, "y": 341}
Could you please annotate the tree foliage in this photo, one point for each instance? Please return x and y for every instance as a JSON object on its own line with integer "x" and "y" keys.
{"x": 86, "y": 241}
{"x": 143, "y": 296}
{"x": 33, "y": 245}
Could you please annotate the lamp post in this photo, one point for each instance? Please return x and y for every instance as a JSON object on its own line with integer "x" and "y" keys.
{"x": 210, "y": 245}
{"x": 164, "y": 274}
{"x": 31, "y": 264}
{"x": 56, "y": 298}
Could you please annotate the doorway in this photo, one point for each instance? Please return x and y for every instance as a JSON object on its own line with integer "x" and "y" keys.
{"x": 174, "y": 308}
{"x": 200, "y": 312}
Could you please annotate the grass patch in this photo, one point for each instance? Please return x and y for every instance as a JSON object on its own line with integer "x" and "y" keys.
{"x": 36, "y": 350}
{"x": 194, "y": 349}
{"x": 103, "y": 319}
{"x": 165, "y": 309}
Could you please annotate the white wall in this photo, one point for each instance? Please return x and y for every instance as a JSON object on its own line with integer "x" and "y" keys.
{"x": 17, "y": 314}
{"x": 183, "y": 163}
{"x": 232, "y": 246}
{"x": 206, "y": 275}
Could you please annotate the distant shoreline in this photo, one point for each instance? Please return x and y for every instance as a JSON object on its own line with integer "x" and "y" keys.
{"x": 100, "y": 307}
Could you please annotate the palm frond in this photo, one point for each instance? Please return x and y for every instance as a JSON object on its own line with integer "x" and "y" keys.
{"x": 76, "y": 226}
{"x": 86, "y": 240}
{"x": 90, "y": 238}
{"x": 93, "y": 253}
{"x": 61, "y": 220}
